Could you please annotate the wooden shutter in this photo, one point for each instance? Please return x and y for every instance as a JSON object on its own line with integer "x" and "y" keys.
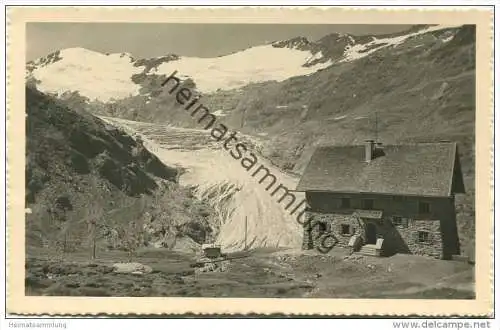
{"x": 430, "y": 237}
{"x": 414, "y": 236}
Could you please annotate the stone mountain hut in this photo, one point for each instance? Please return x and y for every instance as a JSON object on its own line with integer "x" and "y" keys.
{"x": 384, "y": 200}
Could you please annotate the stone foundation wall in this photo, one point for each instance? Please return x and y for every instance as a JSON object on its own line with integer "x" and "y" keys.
{"x": 402, "y": 238}
{"x": 313, "y": 232}
{"x": 433, "y": 247}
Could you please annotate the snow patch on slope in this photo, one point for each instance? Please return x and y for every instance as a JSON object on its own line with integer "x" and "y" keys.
{"x": 316, "y": 57}
{"x": 357, "y": 51}
{"x": 219, "y": 113}
{"x": 448, "y": 39}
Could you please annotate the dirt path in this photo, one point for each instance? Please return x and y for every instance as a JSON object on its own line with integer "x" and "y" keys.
{"x": 257, "y": 273}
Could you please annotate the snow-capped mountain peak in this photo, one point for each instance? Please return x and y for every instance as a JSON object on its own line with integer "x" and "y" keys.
{"x": 116, "y": 76}
{"x": 92, "y": 74}
{"x": 106, "y": 76}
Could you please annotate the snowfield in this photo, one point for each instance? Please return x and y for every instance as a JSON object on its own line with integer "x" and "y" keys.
{"x": 106, "y": 77}
{"x": 92, "y": 74}
{"x": 253, "y": 65}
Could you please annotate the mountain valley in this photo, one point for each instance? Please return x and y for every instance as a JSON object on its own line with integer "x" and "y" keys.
{"x": 110, "y": 150}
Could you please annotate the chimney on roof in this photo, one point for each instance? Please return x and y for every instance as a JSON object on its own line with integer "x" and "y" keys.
{"x": 369, "y": 149}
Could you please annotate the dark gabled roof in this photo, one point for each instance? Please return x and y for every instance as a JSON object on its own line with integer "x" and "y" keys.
{"x": 426, "y": 169}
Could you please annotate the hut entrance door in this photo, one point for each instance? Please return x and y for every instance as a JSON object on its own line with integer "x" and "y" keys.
{"x": 371, "y": 233}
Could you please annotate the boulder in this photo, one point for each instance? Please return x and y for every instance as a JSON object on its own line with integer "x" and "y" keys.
{"x": 131, "y": 268}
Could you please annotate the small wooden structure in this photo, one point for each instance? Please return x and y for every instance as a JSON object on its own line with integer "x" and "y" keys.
{"x": 212, "y": 251}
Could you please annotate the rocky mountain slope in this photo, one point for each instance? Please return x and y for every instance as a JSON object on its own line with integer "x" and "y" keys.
{"x": 86, "y": 178}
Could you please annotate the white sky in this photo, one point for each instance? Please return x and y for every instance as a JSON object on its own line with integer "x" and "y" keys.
{"x": 144, "y": 40}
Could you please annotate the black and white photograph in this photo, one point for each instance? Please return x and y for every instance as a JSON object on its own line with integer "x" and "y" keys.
{"x": 265, "y": 162}
{"x": 250, "y": 160}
